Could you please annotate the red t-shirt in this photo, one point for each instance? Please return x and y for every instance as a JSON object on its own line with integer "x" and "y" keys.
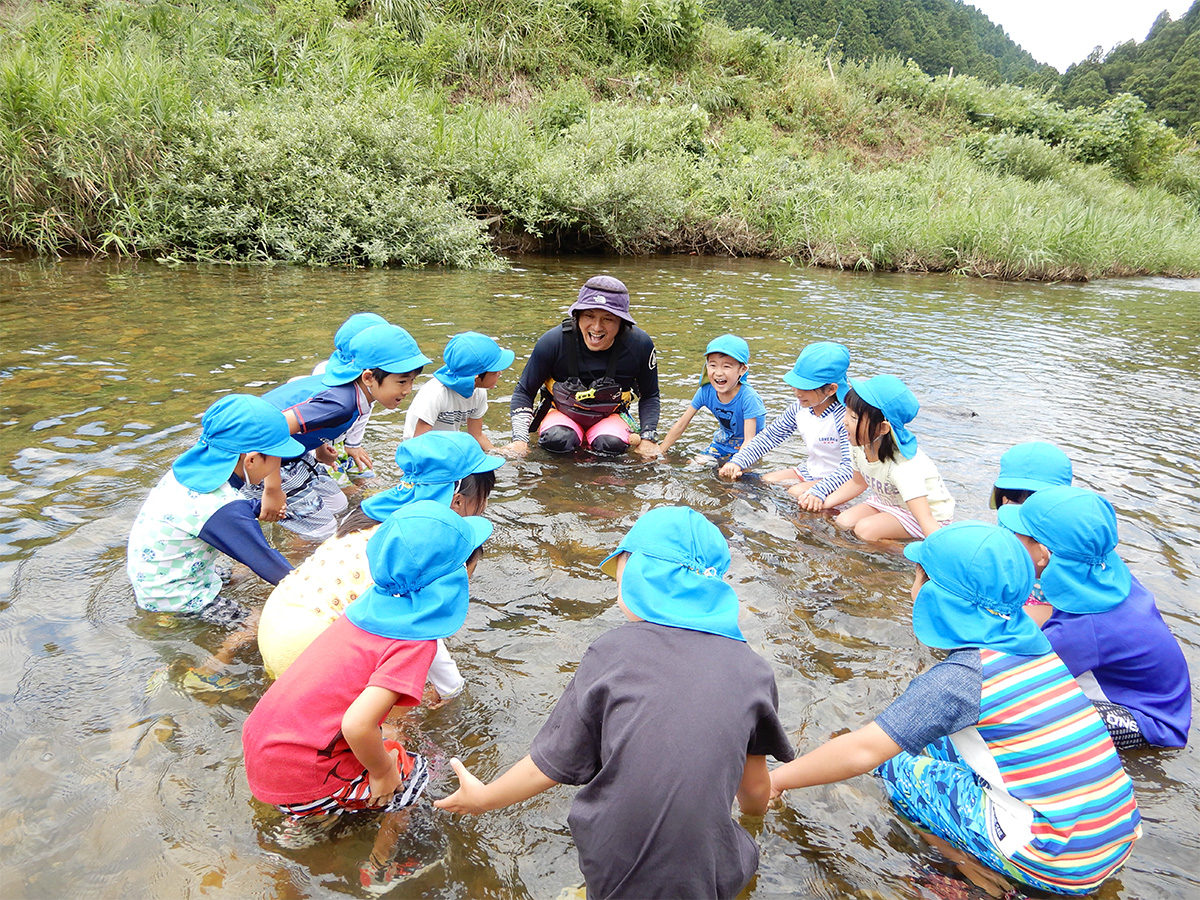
{"x": 295, "y": 751}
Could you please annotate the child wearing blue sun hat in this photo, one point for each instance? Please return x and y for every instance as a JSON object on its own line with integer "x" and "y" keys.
{"x": 995, "y": 749}
{"x": 379, "y": 366}
{"x": 194, "y": 514}
{"x": 668, "y": 719}
{"x": 313, "y": 745}
{"x": 456, "y": 396}
{"x": 352, "y": 459}
{"x": 908, "y": 497}
{"x": 445, "y": 466}
{"x": 725, "y": 393}
{"x": 818, "y": 379}
{"x": 1105, "y": 624}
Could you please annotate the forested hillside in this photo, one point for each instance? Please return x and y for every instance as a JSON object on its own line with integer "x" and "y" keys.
{"x": 938, "y": 35}
{"x": 1163, "y": 70}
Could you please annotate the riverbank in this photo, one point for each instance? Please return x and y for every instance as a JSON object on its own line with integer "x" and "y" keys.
{"x": 395, "y": 136}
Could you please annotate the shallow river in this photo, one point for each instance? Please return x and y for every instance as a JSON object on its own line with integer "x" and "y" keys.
{"x": 118, "y": 784}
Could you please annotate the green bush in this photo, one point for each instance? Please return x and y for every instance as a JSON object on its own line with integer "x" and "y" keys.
{"x": 311, "y": 182}
{"x": 1022, "y": 155}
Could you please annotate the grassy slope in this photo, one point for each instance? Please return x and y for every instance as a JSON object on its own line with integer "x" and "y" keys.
{"x": 400, "y": 136}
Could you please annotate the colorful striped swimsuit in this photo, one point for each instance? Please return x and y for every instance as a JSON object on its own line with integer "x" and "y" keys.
{"x": 1034, "y": 789}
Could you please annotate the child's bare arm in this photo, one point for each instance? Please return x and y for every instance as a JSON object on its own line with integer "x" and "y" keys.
{"x": 837, "y": 759}
{"x": 360, "y": 727}
{"x": 522, "y": 781}
{"x": 919, "y": 507}
{"x": 848, "y": 491}
{"x": 677, "y": 430}
{"x": 754, "y": 793}
{"x": 422, "y": 427}
{"x": 274, "y": 501}
{"x": 750, "y": 426}
{"x": 475, "y": 430}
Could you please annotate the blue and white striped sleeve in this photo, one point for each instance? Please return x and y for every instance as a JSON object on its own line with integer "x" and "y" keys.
{"x": 782, "y": 427}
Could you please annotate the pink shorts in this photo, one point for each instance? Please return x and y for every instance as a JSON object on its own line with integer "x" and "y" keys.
{"x": 907, "y": 519}
{"x": 612, "y": 425}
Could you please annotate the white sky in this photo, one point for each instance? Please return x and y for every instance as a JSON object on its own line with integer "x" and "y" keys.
{"x": 1062, "y": 32}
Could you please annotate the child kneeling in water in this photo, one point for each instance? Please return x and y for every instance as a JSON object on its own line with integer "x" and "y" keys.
{"x": 1104, "y": 624}
{"x": 818, "y": 380}
{"x": 313, "y": 744}
{"x": 995, "y": 750}
{"x": 909, "y": 498}
{"x": 668, "y": 719}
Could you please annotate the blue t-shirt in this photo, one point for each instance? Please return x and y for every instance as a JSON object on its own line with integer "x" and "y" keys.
{"x": 731, "y": 416}
{"x": 1134, "y": 659}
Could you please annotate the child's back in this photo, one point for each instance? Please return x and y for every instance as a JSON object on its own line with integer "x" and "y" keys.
{"x": 676, "y": 710}
{"x": 667, "y": 721}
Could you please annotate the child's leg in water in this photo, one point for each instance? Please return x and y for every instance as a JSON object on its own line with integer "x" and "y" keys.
{"x": 797, "y": 489}
{"x": 872, "y": 525}
{"x": 780, "y": 476}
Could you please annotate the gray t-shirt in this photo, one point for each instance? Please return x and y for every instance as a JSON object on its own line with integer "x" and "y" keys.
{"x": 657, "y": 724}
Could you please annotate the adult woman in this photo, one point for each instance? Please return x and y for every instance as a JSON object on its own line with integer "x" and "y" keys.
{"x": 589, "y": 369}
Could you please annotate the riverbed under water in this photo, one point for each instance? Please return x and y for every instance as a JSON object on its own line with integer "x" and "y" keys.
{"x": 118, "y": 784}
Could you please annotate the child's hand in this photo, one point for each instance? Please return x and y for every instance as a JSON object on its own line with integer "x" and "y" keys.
{"x": 810, "y": 502}
{"x": 274, "y": 505}
{"x": 468, "y": 798}
{"x": 326, "y": 455}
{"x": 514, "y": 450}
{"x": 360, "y": 457}
{"x": 730, "y": 471}
{"x": 384, "y": 785}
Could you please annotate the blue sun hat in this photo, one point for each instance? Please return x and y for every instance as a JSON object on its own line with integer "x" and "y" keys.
{"x": 468, "y": 355}
{"x": 730, "y": 345}
{"x": 1032, "y": 466}
{"x": 819, "y": 364}
{"x": 606, "y": 293}
{"x": 899, "y": 406}
{"x": 979, "y": 579}
{"x": 235, "y": 424}
{"x": 341, "y": 368}
{"x": 431, "y": 465}
{"x": 417, "y": 561}
{"x": 677, "y": 559}
{"x": 1079, "y": 528}
{"x": 387, "y": 347}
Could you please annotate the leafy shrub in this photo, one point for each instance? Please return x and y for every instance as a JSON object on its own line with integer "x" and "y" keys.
{"x": 311, "y": 182}
{"x": 1022, "y": 155}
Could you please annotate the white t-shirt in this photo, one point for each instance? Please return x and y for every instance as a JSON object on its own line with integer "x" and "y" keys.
{"x": 444, "y": 409}
{"x": 897, "y": 481}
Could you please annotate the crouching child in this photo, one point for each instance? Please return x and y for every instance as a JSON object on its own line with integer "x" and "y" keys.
{"x": 313, "y": 744}
{"x": 678, "y": 675}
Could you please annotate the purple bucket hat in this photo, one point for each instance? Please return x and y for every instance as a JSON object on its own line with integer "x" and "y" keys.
{"x": 606, "y": 293}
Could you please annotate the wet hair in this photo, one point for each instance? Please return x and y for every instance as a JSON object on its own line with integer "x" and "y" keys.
{"x": 1012, "y": 495}
{"x": 477, "y": 487}
{"x": 381, "y": 374}
{"x": 874, "y": 420}
{"x": 355, "y": 520}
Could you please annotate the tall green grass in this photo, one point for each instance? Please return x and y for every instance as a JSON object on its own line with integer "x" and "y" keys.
{"x": 395, "y": 132}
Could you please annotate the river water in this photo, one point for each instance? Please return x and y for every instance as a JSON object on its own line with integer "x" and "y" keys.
{"x": 118, "y": 784}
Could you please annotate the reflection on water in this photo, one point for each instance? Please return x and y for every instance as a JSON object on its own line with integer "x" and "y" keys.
{"x": 117, "y": 784}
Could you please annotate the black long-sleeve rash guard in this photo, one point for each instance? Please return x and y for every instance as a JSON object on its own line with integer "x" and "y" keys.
{"x": 637, "y": 370}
